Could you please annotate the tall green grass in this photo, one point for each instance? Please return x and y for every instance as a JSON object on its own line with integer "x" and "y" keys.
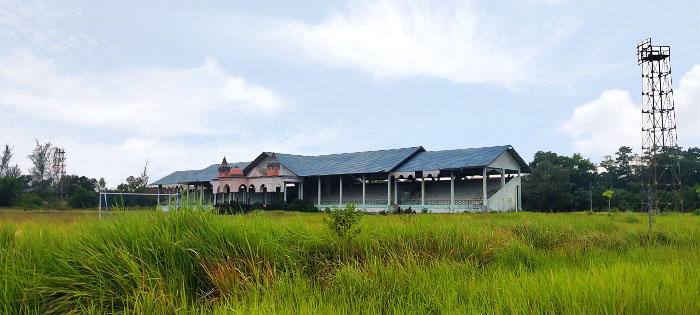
{"x": 280, "y": 262}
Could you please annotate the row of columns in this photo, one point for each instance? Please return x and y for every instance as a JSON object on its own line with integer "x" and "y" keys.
{"x": 284, "y": 192}
{"x": 485, "y": 177}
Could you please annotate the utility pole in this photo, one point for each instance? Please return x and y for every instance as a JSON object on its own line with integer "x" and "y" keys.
{"x": 590, "y": 195}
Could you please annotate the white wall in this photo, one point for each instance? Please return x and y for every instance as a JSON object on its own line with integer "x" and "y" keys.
{"x": 506, "y": 199}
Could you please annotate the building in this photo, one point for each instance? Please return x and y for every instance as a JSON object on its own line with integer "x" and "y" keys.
{"x": 477, "y": 179}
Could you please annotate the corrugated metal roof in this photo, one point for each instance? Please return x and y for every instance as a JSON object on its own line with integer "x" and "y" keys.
{"x": 346, "y": 163}
{"x": 195, "y": 176}
{"x": 400, "y": 160}
{"x": 456, "y": 159}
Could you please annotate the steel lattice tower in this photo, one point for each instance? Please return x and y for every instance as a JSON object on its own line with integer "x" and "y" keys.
{"x": 661, "y": 176}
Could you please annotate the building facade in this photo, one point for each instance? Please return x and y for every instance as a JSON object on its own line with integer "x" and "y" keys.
{"x": 473, "y": 180}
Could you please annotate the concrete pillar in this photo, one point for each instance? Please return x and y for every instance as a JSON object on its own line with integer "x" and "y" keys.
{"x": 284, "y": 191}
{"x": 301, "y": 190}
{"x": 341, "y": 190}
{"x": 159, "y": 186}
{"x": 364, "y": 205}
{"x": 396, "y": 191}
{"x": 485, "y": 192}
{"x": 422, "y": 192}
{"x": 519, "y": 206}
{"x": 452, "y": 190}
{"x": 503, "y": 178}
{"x": 319, "y": 191}
{"x": 388, "y": 190}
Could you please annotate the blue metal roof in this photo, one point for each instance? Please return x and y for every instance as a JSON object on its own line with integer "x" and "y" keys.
{"x": 345, "y": 163}
{"x": 401, "y": 160}
{"x": 456, "y": 159}
{"x": 195, "y": 176}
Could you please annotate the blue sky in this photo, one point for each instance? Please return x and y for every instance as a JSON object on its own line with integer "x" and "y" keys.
{"x": 183, "y": 83}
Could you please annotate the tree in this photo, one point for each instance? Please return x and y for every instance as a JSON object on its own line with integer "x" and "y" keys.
{"x": 73, "y": 182}
{"x": 101, "y": 184}
{"x": 82, "y": 198}
{"x": 547, "y": 187}
{"x": 609, "y": 194}
{"x": 41, "y": 161}
{"x": 10, "y": 191}
{"x": 5, "y": 160}
{"x": 5, "y": 168}
{"x": 136, "y": 184}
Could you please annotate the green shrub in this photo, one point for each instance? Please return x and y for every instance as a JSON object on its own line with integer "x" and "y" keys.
{"x": 424, "y": 210}
{"x": 399, "y": 210}
{"x": 30, "y": 202}
{"x": 614, "y": 210}
{"x": 342, "y": 221}
{"x": 631, "y": 219}
{"x": 696, "y": 212}
{"x": 82, "y": 198}
{"x": 234, "y": 207}
{"x": 10, "y": 191}
{"x": 302, "y": 206}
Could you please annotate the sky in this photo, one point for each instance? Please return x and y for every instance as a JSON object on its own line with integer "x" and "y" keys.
{"x": 181, "y": 84}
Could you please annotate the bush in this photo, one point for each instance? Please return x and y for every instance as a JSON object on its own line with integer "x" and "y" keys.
{"x": 631, "y": 219}
{"x": 424, "y": 210}
{"x": 398, "y": 210}
{"x": 56, "y": 203}
{"x": 82, "y": 198}
{"x": 30, "y": 202}
{"x": 342, "y": 221}
{"x": 302, "y": 206}
{"x": 696, "y": 212}
{"x": 234, "y": 207}
{"x": 10, "y": 191}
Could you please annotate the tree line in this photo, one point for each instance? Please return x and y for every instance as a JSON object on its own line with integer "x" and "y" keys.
{"x": 557, "y": 182}
{"x": 574, "y": 183}
{"x": 44, "y": 187}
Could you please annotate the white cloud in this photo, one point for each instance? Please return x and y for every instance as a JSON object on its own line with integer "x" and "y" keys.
{"x": 111, "y": 123}
{"x": 605, "y": 124}
{"x": 152, "y": 101}
{"x": 449, "y": 40}
{"x": 687, "y": 101}
{"x": 37, "y": 25}
{"x": 613, "y": 120}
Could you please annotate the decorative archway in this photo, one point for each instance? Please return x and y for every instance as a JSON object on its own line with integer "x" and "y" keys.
{"x": 242, "y": 189}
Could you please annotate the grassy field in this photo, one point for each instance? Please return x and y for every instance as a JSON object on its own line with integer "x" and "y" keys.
{"x": 283, "y": 262}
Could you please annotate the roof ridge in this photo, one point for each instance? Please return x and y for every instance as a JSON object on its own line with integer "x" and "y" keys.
{"x": 495, "y": 146}
{"x": 349, "y": 152}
